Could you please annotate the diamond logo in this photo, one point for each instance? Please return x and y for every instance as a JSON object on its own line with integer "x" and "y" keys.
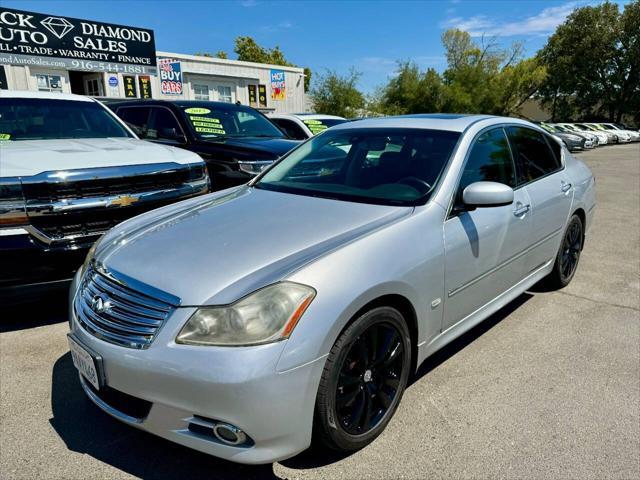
{"x": 58, "y": 26}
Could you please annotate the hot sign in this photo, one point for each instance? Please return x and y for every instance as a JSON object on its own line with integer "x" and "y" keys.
{"x": 170, "y": 77}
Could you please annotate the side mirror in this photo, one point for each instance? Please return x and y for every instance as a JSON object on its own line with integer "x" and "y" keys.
{"x": 487, "y": 194}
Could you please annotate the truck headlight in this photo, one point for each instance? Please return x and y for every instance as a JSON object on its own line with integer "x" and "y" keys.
{"x": 265, "y": 316}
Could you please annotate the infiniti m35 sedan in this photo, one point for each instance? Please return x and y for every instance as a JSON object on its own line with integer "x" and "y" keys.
{"x": 247, "y": 321}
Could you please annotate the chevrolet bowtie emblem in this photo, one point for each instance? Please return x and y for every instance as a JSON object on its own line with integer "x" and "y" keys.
{"x": 123, "y": 201}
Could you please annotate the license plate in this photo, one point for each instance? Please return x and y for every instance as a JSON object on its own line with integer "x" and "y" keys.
{"x": 84, "y": 362}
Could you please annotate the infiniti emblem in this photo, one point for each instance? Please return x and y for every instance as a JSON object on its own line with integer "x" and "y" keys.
{"x": 99, "y": 304}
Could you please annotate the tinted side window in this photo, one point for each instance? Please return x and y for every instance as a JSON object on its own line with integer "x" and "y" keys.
{"x": 534, "y": 158}
{"x": 137, "y": 118}
{"x": 489, "y": 161}
{"x": 556, "y": 148}
{"x": 291, "y": 129}
{"x": 164, "y": 125}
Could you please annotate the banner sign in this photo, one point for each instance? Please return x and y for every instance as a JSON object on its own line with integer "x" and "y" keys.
{"x": 130, "y": 89}
{"x": 278, "y": 86}
{"x": 145, "y": 86}
{"x": 262, "y": 95}
{"x": 253, "y": 95}
{"x": 170, "y": 76}
{"x": 35, "y": 39}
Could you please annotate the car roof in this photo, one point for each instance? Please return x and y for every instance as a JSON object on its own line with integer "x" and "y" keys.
{"x": 44, "y": 95}
{"x": 182, "y": 103}
{"x": 434, "y": 121}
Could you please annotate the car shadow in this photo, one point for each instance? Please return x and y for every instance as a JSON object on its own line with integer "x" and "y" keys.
{"x": 86, "y": 429}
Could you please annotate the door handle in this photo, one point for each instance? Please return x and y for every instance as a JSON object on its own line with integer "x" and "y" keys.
{"x": 565, "y": 187}
{"x": 518, "y": 212}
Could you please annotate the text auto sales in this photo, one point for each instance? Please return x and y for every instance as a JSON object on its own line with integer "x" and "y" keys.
{"x": 105, "y": 40}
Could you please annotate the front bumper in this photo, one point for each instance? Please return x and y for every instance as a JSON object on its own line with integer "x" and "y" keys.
{"x": 237, "y": 385}
{"x": 26, "y": 261}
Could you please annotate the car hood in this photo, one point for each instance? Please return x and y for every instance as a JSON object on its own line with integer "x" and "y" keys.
{"x": 30, "y": 157}
{"x": 220, "y": 247}
{"x": 274, "y": 146}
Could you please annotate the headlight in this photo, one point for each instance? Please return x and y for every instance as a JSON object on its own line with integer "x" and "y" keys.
{"x": 265, "y": 316}
{"x": 254, "y": 167}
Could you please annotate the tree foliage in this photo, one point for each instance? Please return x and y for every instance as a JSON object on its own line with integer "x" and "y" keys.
{"x": 478, "y": 79}
{"x": 337, "y": 94}
{"x": 249, "y": 51}
{"x": 593, "y": 60}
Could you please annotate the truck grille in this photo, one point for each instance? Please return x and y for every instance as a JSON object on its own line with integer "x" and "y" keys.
{"x": 104, "y": 187}
{"x": 116, "y": 313}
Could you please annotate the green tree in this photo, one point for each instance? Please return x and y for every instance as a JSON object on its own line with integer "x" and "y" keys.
{"x": 593, "y": 61}
{"x": 218, "y": 54}
{"x": 478, "y": 79}
{"x": 221, "y": 54}
{"x": 249, "y": 51}
{"x": 336, "y": 94}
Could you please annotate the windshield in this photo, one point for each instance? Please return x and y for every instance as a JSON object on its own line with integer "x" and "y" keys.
{"x": 45, "y": 119}
{"x": 383, "y": 166}
{"x": 548, "y": 128}
{"x": 209, "y": 121}
{"x": 587, "y": 127}
{"x": 319, "y": 125}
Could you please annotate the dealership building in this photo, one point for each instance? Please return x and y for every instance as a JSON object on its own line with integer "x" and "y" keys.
{"x": 41, "y": 52}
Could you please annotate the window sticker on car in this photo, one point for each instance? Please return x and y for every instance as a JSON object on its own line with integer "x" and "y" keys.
{"x": 207, "y": 125}
{"x": 316, "y": 126}
{"x": 197, "y": 111}
{"x": 5, "y": 136}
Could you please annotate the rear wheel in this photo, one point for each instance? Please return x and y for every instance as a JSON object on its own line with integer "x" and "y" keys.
{"x": 568, "y": 256}
{"x": 363, "y": 380}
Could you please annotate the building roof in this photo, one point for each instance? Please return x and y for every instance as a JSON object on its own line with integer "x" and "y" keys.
{"x": 44, "y": 95}
{"x": 226, "y": 61}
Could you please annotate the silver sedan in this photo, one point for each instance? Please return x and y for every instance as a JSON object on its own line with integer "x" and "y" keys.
{"x": 245, "y": 322}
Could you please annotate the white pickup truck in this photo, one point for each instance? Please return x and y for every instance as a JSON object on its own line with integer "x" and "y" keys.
{"x": 69, "y": 171}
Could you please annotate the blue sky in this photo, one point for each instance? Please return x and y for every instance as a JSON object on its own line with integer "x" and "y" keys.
{"x": 367, "y": 35}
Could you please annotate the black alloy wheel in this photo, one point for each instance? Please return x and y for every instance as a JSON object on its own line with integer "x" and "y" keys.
{"x": 363, "y": 380}
{"x": 571, "y": 248}
{"x": 568, "y": 256}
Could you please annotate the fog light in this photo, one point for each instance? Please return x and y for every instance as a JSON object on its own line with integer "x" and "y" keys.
{"x": 229, "y": 434}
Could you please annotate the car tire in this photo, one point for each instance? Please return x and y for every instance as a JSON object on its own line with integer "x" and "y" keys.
{"x": 363, "y": 380}
{"x": 568, "y": 256}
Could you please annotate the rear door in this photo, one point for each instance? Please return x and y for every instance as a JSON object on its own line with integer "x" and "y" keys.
{"x": 541, "y": 173}
{"x": 485, "y": 248}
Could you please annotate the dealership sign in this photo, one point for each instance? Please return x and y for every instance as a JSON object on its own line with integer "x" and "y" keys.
{"x": 34, "y": 39}
{"x": 170, "y": 76}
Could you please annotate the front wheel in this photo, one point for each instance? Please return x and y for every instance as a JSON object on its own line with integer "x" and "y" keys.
{"x": 363, "y": 380}
{"x": 568, "y": 256}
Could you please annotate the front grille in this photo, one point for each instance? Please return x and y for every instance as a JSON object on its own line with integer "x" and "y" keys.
{"x": 90, "y": 222}
{"x": 104, "y": 187}
{"x": 116, "y": 313}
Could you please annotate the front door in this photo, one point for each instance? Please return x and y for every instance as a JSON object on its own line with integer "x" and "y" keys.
{"x": 485, "y": 249}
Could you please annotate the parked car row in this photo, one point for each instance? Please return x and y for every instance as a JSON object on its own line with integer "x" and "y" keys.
{"x": 579, "y": 136}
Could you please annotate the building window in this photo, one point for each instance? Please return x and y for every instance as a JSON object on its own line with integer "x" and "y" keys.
{"x": 49, "y": 83}
{"x": 200, "y": 92}
{"x": 224, "y": 94}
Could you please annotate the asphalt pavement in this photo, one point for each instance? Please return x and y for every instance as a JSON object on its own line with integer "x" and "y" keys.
{"x": 549, "y": 387}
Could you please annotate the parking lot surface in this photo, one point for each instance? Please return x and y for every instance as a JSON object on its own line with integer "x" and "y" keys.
{"x": 549, "y": 387}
